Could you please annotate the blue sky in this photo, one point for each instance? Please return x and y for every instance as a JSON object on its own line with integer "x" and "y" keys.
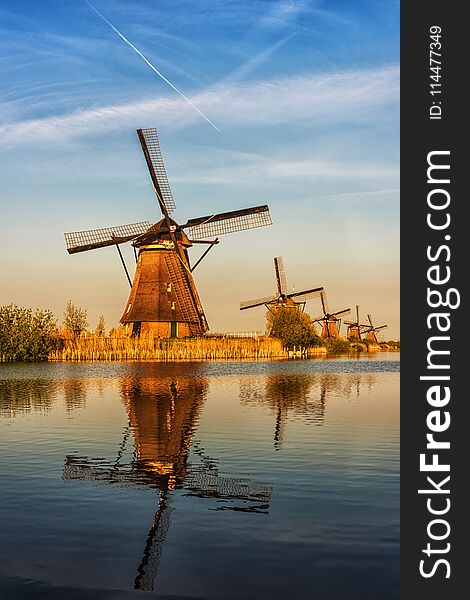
{"x": 306, "y": 97}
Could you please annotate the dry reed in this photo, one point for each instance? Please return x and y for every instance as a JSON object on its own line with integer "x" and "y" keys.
{"x": 116, "y": 348}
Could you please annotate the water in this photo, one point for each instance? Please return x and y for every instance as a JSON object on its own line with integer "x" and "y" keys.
{"x": 221, "y": 480}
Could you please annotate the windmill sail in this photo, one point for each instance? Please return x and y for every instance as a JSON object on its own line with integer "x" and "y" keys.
{"x": 228, "y": 222}
{"x": 80, "y": 241}
{"x": 306, "y": 294}
{"x": 258, "y": 302}
{"x": 153, "y": 156}
{"x": 280, "y": 276}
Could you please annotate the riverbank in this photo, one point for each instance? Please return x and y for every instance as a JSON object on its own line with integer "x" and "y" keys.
{"x": 104, "y": 348}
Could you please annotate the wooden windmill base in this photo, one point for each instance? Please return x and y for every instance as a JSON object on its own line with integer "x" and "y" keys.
{"x": 163, "y": 301}
{"x": 160, "y": 329}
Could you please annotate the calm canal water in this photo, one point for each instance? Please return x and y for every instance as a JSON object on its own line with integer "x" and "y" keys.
{"x": 221, "y": 480}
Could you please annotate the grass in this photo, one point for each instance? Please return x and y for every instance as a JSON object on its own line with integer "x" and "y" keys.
{"x": 117, "y": 348}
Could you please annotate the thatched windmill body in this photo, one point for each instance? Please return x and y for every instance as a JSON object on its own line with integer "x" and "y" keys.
{"x": 355, "y": 328}
{"x": 371, "y": 331}
{"x": 282, "y": 297}
{"x": 330, "y": 321}
{"x": 164, "y": 300}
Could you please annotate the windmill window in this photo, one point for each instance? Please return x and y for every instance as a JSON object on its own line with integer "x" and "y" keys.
{"x": 172, "y": 306}
{"x": 168, "y": 287}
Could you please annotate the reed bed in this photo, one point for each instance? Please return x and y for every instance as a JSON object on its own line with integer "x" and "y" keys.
{"x": 101, "y": 348}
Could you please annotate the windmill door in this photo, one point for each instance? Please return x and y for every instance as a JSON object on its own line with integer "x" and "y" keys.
{"x": 173, "y": 329}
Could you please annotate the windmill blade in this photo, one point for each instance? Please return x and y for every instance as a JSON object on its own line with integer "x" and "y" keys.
{"x": 80, "y": 241}
{"x": 319, "y": 319}
{"x": 370, "y": 320}
{"x": 350, "y": 323}
{"x": 280, "y": 275}
{"x": 207, "y": 485}
{"x": 259, "y": 302}
{"x": 380, "y": 327}
{"x": 324, "y": 302}
{"x": 148, "y": 567}
{"x": 345, "y": 311}
{"x": 306, "y": 294}
{"x": 153, "y": 156}
{"x": 357, "y": 314}
{"x": 228, "y": 222}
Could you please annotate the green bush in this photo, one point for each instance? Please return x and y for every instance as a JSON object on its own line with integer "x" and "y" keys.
{"x": 294, "y": 328}
{"x": 336, "y": 345}
{"x": 25, "y": 335}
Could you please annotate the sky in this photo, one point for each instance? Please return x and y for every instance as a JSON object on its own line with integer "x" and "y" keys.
{"x": 304, "y": 97}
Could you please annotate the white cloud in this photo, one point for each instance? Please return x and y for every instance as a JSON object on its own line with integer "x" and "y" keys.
{"x": 337, "y": 97}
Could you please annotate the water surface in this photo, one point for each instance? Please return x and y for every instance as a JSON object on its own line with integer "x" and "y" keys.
{"x": 233, "y": 480}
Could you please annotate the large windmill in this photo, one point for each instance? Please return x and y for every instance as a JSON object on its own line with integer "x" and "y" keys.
{"x": 330, "y": 323}
{"x": 164, "y": 300}
{"x": 355, "y": 328}
{"x": 370, "y": 330}
{"x": 163, "y": 415}
{"x": 282, "y": 298}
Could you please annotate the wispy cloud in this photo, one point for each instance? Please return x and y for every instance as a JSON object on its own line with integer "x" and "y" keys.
{"x": 338, "y": 97}
{"x": 284, "y": 11}
{"x": 263, "y": 170}
{"x": 257, "y": 60}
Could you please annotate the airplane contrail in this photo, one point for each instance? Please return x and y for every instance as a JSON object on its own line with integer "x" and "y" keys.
{"x": 151, "y": 66}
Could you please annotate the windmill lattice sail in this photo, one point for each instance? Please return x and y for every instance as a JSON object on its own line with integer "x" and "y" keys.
{"x": 153, "y": 154}
{"x": 80, "y": 241}
{"x": 228, "y": 222}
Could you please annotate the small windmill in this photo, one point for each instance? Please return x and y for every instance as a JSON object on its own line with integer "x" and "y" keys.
{"x": 330, "y": 323}
{"x": 370, "y": 330}
{"x": 164, "y": 300}
{"x": 355, "y": 327}
{"x": 282, "y": 298}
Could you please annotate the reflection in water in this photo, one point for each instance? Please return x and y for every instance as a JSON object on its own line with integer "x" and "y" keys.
{"x": 20, "y": 396}
{"x": 163, "y": 416}
{"x": 74, "y": 392}
{"x": 300, "y": 395}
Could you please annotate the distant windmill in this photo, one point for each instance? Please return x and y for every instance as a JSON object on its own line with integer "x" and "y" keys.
{"x": 282, "y": 298}
{"x": 370, "y": 330}
{"x": 329, "y": 321}
{"x": 355, "y": 327}
{"x": 164, "y": 300}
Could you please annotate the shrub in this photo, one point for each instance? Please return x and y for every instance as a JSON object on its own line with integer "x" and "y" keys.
{"x": 26, "y": 335}
{"x": 336, "y": 345}
{"x": 294, "y": 328}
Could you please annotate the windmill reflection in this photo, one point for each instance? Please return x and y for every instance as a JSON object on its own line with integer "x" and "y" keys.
{"x": 163, "y": 416}
{"x": 300, "y": 396}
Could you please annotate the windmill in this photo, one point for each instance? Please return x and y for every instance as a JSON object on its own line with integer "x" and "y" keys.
{"x": 355, "y": 327}
{"x": 329, "y": 321}
{"x": 370, "y": 330}
{"x": 282, "y": 298}
{"x": 163, "y": 299}
{"x": 163, "y": 414}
